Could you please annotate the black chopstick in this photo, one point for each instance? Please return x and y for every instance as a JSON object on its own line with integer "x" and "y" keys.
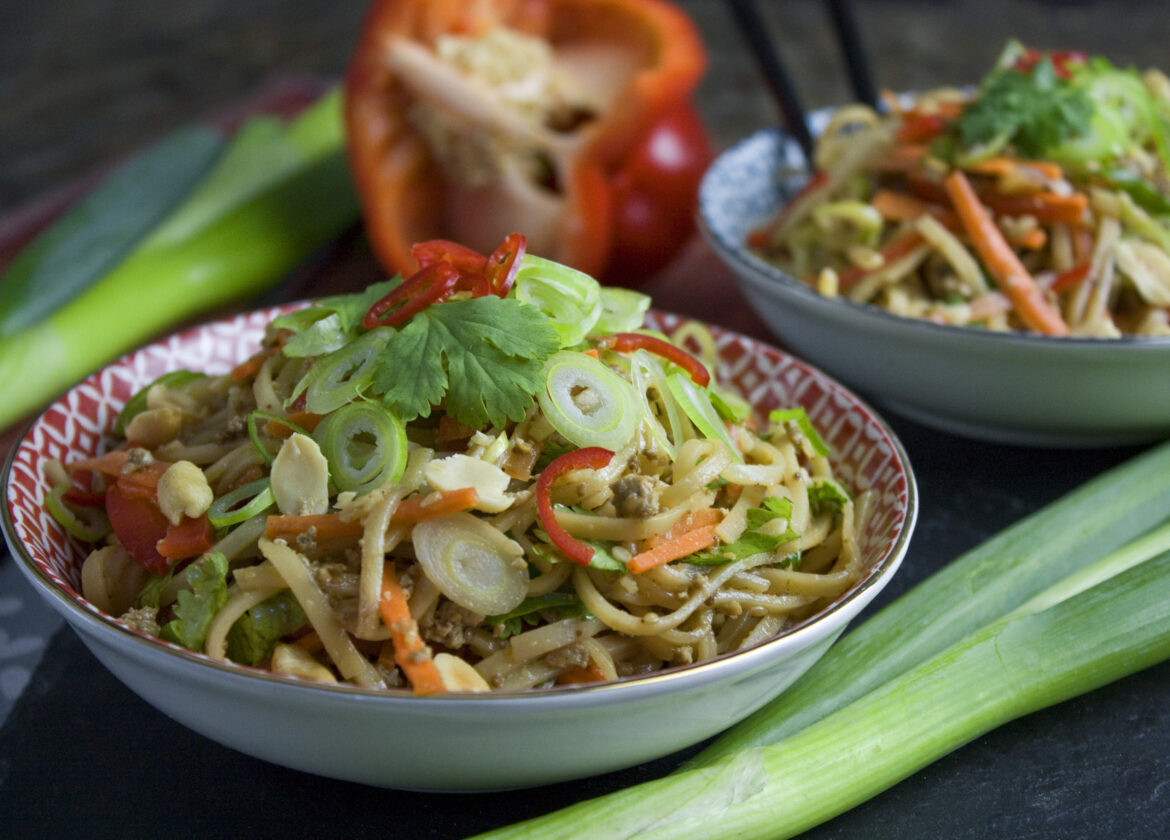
{"x": 776, "y": 77}
{"x": 853, "y": 51}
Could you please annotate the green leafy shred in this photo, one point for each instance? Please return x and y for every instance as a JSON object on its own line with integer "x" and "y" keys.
{"x": 255, "y": 634}
{"x": 483, "y": 356}
{"x": 753, "y": 541}
{"x": 827, "y": 495}
{"x": 1034, "y": 111}
{"x": 531, "y": 612}
{"x": 207, "y": 579}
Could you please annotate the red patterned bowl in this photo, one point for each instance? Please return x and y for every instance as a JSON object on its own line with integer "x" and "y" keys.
{"x": 452, "y": 742}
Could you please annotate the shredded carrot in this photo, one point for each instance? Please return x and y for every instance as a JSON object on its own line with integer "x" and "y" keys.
{"x": 1001, "y": 261}
{"x": 1045, "y": 206}
{"x": 410, "y": 652}
{"x": 681, "y": 546}
{"x": 592, "y": 351}
{"x": 695, "y": 519}
{"x": 332, "y": 526}
{"x": 1033, "y": 240}
{"x": 901, "y": 158}
{"x": 310, "y": 642}
{"x": 1000, "y": 166}
{"x": 112, "y": 463}
{"x": 307, "y": 420}
{"x": 903, "y": 207}
{"x": 432, "y": 505}
{"x": 586, "y": 674}
{"x": 895, "y": 250}
{"x": 1069, "y": 279}
{"x": 250, "y": 366}
{"x": 327, "y": 525}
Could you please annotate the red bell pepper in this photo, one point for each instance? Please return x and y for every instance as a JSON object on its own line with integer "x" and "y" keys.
{"x": 614, "y": 189}
{"x": 591, "y": 457}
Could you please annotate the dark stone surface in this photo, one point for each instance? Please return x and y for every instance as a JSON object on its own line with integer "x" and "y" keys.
{"x": 84, "y": 81}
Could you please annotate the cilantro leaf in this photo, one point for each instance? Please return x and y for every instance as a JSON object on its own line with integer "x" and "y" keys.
{"x": 1032, "y": 111}
{"x": 330, "y": 322}
{"x": 482, "y": 355}
{"x": 198, "y": 605}
{"x": 255, "y": 634}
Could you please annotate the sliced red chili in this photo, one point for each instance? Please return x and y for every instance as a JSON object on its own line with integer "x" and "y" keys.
{"x": 1070, "y": 278}
{"x": 444, "y": 250}
{"x": 591, "y": 457}
{"x": 504, "y": 263}
{"x": 431, "y": 284}
{"x": 628, "y": 342}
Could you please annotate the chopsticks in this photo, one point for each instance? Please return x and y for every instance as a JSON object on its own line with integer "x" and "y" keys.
{"x": 780, "y": 85}
{"x": 776, "y": 77}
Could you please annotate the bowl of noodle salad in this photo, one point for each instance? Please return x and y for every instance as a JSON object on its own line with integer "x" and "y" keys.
{"x": 392, "y": 536}
{"x": 993, "y": 261}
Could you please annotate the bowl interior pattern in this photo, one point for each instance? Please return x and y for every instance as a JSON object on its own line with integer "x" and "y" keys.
{"x": 866, "y": 456}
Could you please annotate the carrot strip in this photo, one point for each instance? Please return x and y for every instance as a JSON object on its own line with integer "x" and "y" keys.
{"x": 1034, "y": 239}
{"x": 307, "y": 420}
{"x": 1000, "y": 166}
{"x": 328, "y": 525}
{"x": 1001, "y": 261}
{"x": 410, "y": 652}
{"x": 679, "y": 547}
{"x": 895, "y": 250}
{"x": 112, "y": 463}
{"x": 432, "y": 505}
{"x": 250, "y": 366}
{"x": 408, "y": 512}
{"x": 902, "y": 207}
{"x": 695, "y": 519}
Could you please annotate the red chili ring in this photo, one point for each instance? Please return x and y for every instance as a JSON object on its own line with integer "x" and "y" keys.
{"x": 504, "y": 263}
{"x": 593, "y": 457}
{"x": 428, "y": 285}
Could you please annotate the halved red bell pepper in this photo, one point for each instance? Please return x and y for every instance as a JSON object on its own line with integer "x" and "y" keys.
{"x": 613, "y": 190}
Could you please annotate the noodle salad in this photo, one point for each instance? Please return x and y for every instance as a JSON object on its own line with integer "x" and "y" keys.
{"x": 1038, "y": 201}
{"x": 486, "y": 475}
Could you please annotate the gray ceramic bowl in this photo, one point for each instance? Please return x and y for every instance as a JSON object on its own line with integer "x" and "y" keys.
{"x": 1005, "y": 387}
{"x": 452, "y": 742}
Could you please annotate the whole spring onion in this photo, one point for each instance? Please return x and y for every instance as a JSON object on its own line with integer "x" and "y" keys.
{"x": 87, "y": 240}
{"x": 588, "y": 403}
{"x": 365, "y": 445}
{"x": 1064, "y": 643}
{"x": 272, "y": 198}
{"x": 974, "y": 589}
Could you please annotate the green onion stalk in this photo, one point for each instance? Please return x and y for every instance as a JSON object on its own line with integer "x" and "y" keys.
{"x": 1105, "y": 624}
{"x": 276, "y": 193}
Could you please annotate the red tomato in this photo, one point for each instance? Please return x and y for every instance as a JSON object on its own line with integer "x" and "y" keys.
{"x": 655, "y": 194}
{"x": 139, "y": 525}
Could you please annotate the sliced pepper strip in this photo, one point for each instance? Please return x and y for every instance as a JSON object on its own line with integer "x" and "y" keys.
{"x": 428, "y": 285}
{"x": 629, "y": 342}
{"x": 591, "y": 457}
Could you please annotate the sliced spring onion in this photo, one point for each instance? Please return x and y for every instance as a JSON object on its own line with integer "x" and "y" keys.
{"x": 471, "y": 563}
{"x": 365, "y": 445}
{"x": 268, "y": 417}
{"x": 696, "y": 403}
{"x": 343, "y": 375}
{"x": 650, "y": 385}
{"x": 588, "y": 403}
{"x": 87, "y": 524}
{"x": 622, "y": 310}
{"x": 571, "y": 299}
{"x": 137, "y": 403}
{"x": 224, "y": 511}
{"x": 800, "y": 418}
